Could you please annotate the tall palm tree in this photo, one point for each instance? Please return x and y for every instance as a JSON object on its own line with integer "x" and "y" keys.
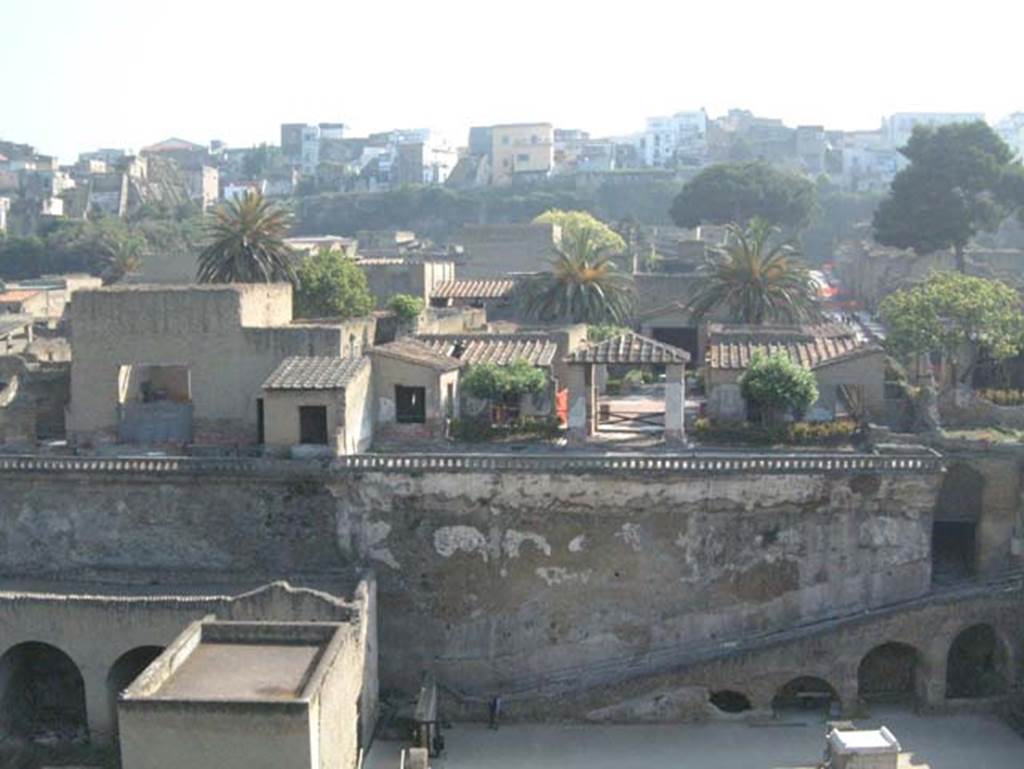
{"x": 583, "y": 285}
{"x": 758, "y": 277}
{"x": 245, "y": 243}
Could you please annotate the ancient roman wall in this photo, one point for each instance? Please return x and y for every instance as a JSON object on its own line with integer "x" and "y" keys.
{"x": 495, "y": 570}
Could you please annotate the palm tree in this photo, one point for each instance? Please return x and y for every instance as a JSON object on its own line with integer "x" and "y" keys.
{"x": 583, "y": 285}
{"x": 758, "y": 277}
{"x": 245, "y": 243}
{"x": 121, "y": 256}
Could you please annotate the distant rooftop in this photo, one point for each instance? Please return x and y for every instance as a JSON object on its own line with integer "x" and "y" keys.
{"x": 491, "y": 288}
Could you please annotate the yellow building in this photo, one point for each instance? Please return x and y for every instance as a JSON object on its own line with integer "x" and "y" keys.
{"x": 521, "y": 149}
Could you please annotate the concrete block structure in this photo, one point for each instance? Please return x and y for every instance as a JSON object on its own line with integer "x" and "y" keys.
{"x": 247, "y": 695}
{"x": 501, "y": 249}
{"x": 185, "y": 364}
{"x": 319, "y": 403}
{"x": 415, "y": 389}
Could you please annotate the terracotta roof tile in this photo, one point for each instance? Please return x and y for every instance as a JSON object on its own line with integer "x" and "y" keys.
{"x": 412, "y": 350}
{"x": 733, "y": 347}
{"x": 537, "y": 350}
{"x": 302, "y": 372}
{"x": 631, "y": 349}
{"x": 494, "y": 288}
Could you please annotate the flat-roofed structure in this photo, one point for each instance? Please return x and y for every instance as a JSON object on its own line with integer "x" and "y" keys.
{"x": 248, "y": 695}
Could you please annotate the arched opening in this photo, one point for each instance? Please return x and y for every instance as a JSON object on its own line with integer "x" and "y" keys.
{"x": 976, "y": 664}
{"x": 957, "y": 511}
{"x": 805, "y": 693}
{"x": 126, "y": 669}
{"x": 42, "y": 695}
{"x": 888, "y": 673}
{"x": 729, "y": 701}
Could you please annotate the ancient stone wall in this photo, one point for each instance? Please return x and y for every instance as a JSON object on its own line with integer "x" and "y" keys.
{"x": 488, "y": 577}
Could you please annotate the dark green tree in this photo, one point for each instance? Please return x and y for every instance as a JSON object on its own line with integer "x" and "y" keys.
{"x": 739, "y": 192}
{"x": 757, "y": 276}
{"x": 962, "y": 178}
{"x": 331, "y": 285}
{"x": 245, "y": 243}
{"x": 777, "y": 386}
{"x": 583, "y": 286}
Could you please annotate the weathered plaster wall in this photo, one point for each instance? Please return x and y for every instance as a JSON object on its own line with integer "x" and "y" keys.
{"x": 488, "y": 578}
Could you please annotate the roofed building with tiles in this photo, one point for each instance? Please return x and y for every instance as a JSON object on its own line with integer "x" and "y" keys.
{"x": 501, "y": 349}
{"x": 629, "y": 349}
{"x": 496, "y": 295}
{"x": 416, "y": 389}
{"x": 850, "y": 370}
{"x": 318, "y": 405}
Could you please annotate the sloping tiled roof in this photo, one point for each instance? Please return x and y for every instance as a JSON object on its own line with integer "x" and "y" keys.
{"x": 494, "y": 288}
{"x": 301, "y": 372}
{"x": 502, "y": 349}
{"x": 731, "y": 348}
{"x": 631, "y": 349}
{"x": 17, "y": 295}
{"x": 414, "y": 351}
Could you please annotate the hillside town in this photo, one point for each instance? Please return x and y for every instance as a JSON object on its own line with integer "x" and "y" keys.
{"x": 700, "y": 445}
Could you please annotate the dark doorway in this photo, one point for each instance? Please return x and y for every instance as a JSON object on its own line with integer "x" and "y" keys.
{"x": 952, "y": 551}
{"x": 683, "y": 337}
{"x": 805, "y": 693}
{"x": 259, "y": 421}
{"x": 125, "y": 670}
{"x": 410, "y": 405}
{"x": 976, "y": 664}
{"x": 888, "y": 673}
{"x": 729, "y": 701}
{"x": 313, "y": 425}
{"x": 42, "y": 695}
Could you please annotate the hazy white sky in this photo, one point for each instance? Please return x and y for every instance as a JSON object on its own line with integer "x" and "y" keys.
{"x": 80, "y": 74}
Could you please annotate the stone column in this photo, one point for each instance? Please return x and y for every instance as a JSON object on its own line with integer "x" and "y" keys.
{"x": 576, "y": 381}
{"x": 675, "y": 403}
{"x": 99, "y": 707}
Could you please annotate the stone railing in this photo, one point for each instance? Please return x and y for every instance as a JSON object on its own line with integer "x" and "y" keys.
{"x": 696, "y": 464}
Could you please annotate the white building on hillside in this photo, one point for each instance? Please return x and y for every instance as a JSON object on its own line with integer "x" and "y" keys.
{"x": 900, "y": 126}
{"x": 683, "y": 137}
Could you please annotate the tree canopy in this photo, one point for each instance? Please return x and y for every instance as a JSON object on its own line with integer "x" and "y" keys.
{"x": 494, "y": 382}
{"x": 406, "y": 306}
{"x": 956, "y": 315}
{"x": 331, "y": 285}
{"x": 583, "y": 285}
{"x": 757, "y": 276}
{"x": 573, "y": 223}
{"x": 962, "y": 178}
{"x": 245, "y": 243}
{"x": 778, "y": 385}
{"x": 739, "y": 192}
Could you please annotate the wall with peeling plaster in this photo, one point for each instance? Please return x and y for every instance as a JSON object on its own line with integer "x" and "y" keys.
{"x": 490, "y": 579}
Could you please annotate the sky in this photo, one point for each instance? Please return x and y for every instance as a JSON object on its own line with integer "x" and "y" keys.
{"x": 83, "y": 74}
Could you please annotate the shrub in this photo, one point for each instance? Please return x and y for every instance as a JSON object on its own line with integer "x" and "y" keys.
{"x": 331, "y": 285}
{"x": 477, "y": 430}
{"x": 777, "y": 385}
{"x": 1003, "y": 397}
{"x": 798, "y": 433}
{"x": 598, "y": 332}
{"x": 489, "y": 381}
{"x": 406, "y": 307}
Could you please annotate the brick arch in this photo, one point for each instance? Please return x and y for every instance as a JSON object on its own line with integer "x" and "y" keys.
{"x": 895, "y": 670}
{"x": 980, "y": 661}
{"x": 43, "y": 693}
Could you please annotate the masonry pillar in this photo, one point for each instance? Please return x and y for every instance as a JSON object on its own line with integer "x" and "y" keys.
{"x": 99, "y": 709}
{"x": 675, "y": 403}
{"x": 580, "y": 381}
